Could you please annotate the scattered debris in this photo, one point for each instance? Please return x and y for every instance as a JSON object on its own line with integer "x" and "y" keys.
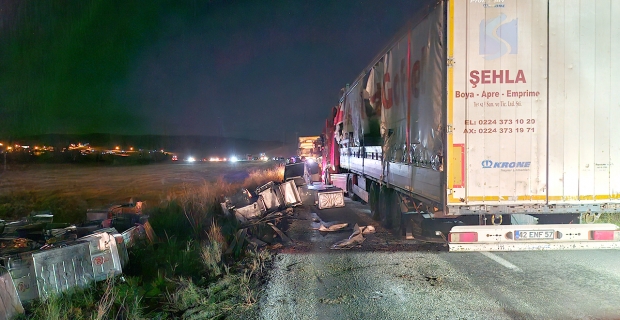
{"x": 322, "y": 226}
{"x": 43, "y": 258}
{"x": 260, "y": 215}
{"x": 355, "y": 239}
{"x": 332, "y": 227}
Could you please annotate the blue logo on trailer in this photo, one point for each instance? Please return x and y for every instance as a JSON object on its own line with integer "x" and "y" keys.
{"x": 487, "y": 163}
{"x": 498, "y": 37}
{"x": 514, "y": 164}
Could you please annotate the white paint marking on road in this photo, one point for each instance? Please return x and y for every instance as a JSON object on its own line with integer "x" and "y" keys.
{"x": 501, "y": 261}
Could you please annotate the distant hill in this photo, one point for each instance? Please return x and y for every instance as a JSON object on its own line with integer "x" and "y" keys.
{"x": 198, "y": 146}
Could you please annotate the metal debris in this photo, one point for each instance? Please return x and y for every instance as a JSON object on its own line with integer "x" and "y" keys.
{"x": 43, "y": 258}
{"x": 355, "y": 239}
{"x": 10, "y": 305}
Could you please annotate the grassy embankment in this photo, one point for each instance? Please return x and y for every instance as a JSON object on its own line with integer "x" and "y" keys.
{"x": 199, "y": 270}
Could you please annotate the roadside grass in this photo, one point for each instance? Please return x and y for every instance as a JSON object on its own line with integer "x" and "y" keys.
{"x": 199, "y": 269}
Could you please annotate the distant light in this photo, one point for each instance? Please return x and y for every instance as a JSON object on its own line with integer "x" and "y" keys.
{"x": 191, "y": 159}
{"x": 233, "y": 159}
{"x": 117, "y": 148}
{"x": 131, "y": 148}
{"x": 309, "y": 160}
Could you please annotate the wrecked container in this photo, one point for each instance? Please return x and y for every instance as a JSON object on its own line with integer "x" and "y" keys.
{"x": 127, "y": 208}
{"x": 104, "y": 254}
{"x": 271, "y": 196}
{"x": 248, "y": 212}
{"x": 21, "y": 269}
{"x": 241, "y": 198}
{"x": 10, "y": 305}
{"x": 295, "y": 172}
{"x": 41, "y": 217}
{"x": 39, "y": 274}
{"x": 290, "y": 193}
{"x": 62, "y": 268}
{"x": 130, "y": 236}
{"x": 330, "y": 198}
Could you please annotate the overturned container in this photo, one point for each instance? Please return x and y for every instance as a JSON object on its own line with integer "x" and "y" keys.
{"x": 10, "y": 305}
{"x": 104, "y": 254}
{"x": 290, "y": 193}
{"x": 39, "y": 274}
{"x": 271, "y": 196}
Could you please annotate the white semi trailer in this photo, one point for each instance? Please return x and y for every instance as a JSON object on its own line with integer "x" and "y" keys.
{"x": 492, "y": 123}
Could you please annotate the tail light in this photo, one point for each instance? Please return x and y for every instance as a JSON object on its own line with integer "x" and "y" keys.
{"x": 605, "y": 235}
{"x": 463, "y": 237}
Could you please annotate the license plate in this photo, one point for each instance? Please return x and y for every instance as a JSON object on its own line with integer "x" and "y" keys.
{"x": 534, "y": 234}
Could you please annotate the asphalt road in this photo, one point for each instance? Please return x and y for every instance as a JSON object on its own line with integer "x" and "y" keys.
{"x": 389, "y": 278}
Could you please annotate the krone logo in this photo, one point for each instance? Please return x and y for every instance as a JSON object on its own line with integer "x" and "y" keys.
{"x": 487, "y": 163}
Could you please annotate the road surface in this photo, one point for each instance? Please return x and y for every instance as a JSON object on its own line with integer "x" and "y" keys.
{"x": 389, "y": 278}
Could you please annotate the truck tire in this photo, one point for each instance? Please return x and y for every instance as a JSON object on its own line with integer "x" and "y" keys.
{"x": 396, "y": 213}
{"x": 385, "y": 204}
{"x": 373, "y": 200}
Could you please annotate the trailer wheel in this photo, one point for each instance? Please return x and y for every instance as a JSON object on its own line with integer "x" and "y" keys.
{"x": 373, "y": 200}
{"x": 385, "y": 199}
{"x": 396, "y": 213}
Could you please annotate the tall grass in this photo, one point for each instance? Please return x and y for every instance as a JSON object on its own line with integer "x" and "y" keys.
{"x": 188, "y": 272}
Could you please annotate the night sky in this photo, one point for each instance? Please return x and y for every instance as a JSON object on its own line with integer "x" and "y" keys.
{"x": 265, "y": 69}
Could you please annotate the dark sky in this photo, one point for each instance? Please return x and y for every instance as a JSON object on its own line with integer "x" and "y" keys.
{"x": 264, "y": 69}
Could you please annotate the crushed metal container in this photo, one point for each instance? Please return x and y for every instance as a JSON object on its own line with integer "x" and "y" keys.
{"x": 122, "y": 249}
{"x": 104, "y": 254}
{"x": 271, "y": 196}
{"x": 248, "y": 212}
{"x": 295, "y": 172}
{"x": 38, "y": 274}
{"x": 21, "y": 269}
{"x": 62, "y": 268}
{"x": 130, "y": 236}
{"x": 330, "y": 198}
{"x": 120, "y": 244}
{"x": 10, "y": 305}
{"x": 290, "y": 193}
